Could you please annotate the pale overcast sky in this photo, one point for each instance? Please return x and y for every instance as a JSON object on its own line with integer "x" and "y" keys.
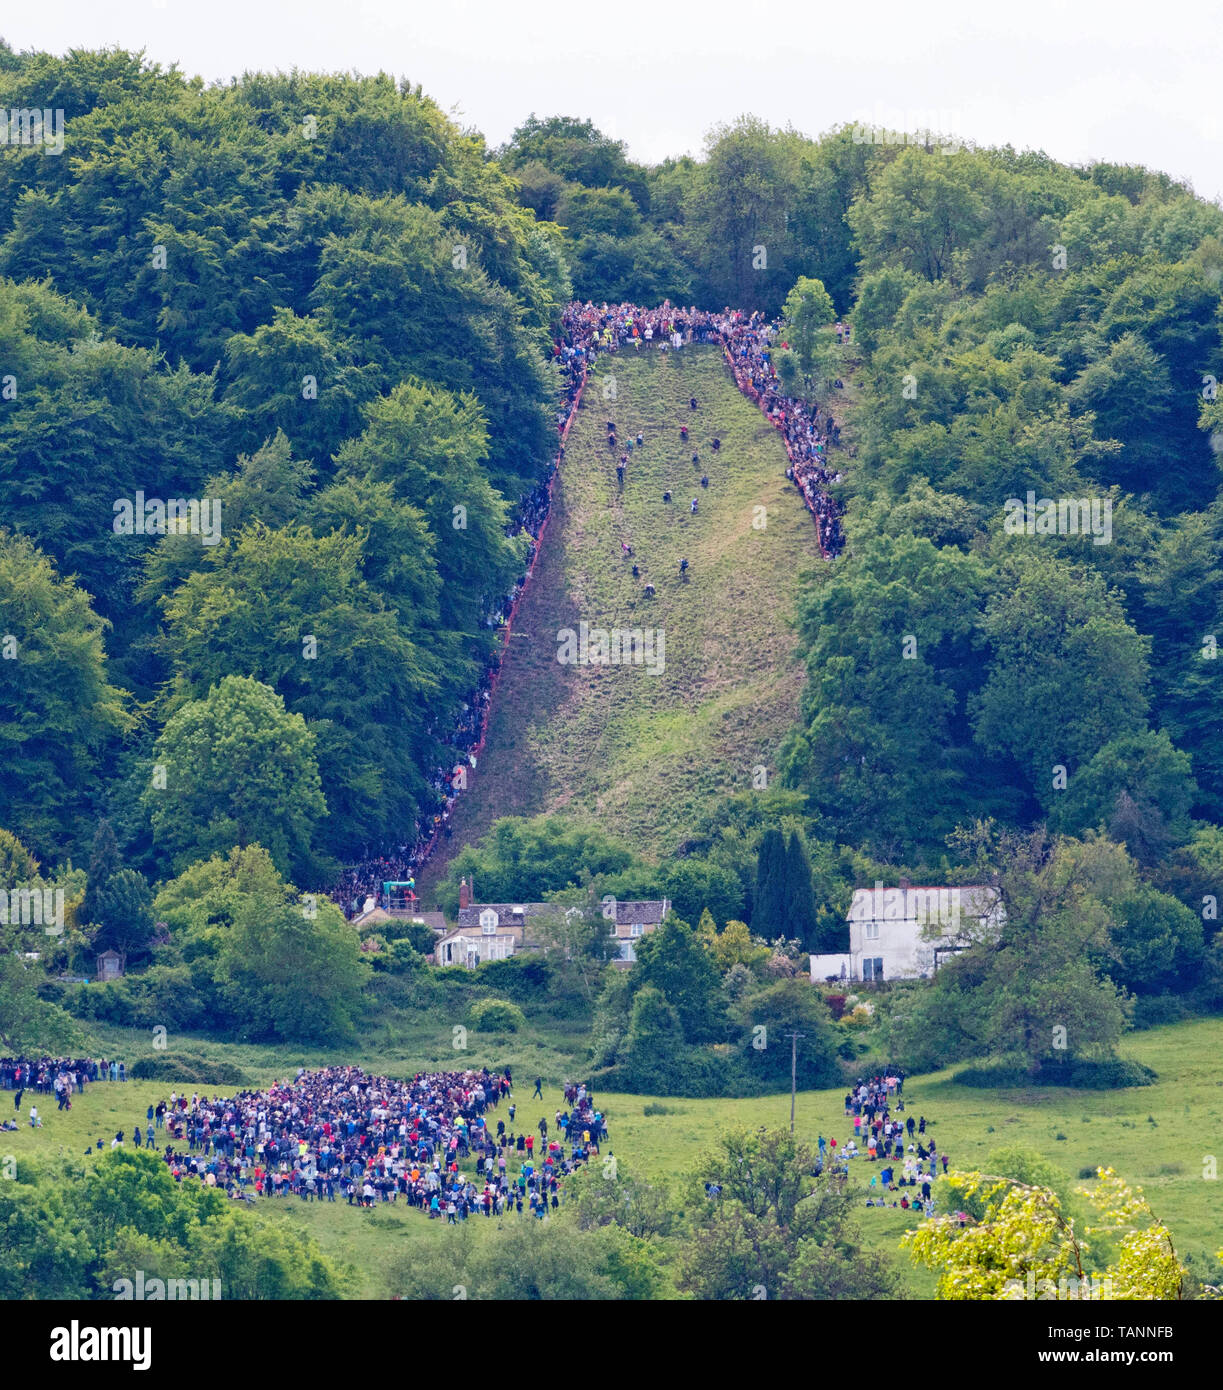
{"x": 1082, "y": 79}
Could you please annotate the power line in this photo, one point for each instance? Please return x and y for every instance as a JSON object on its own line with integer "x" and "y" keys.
{"x": 794, "y": 1037}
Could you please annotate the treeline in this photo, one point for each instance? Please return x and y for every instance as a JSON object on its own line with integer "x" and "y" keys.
{"x": 315, "y": 302}
{"x": 78, "y": 1231}
{"x": 737, "y": 227}
{"x": 991, "y": 688}
{"x": 319, "y": 304}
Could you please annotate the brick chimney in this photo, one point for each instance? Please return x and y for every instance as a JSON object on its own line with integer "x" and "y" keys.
{"x": 464, "y": 894}
{"x": 905, "y": 884}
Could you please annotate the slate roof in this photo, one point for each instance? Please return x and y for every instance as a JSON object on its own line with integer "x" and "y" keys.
{"x": 648, "y": 913}
{"x": 508, "y": 914}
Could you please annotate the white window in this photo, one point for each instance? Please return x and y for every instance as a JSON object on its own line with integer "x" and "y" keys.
{"x": 488, "y": 922}
{"x": 872, "y": 931}
{"x": 636, "y": 929}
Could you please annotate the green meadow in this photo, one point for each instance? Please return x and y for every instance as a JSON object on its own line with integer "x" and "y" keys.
{"x": 1160, "y": 1137}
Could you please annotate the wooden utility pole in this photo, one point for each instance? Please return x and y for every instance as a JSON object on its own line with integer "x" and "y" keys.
{"x": 794, "y": 1037}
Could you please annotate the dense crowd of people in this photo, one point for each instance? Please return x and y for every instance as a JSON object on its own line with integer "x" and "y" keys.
{"x": 586, "y": 330}
{"x": 342, "y": 1134}
{"x": 62, "y": 1077}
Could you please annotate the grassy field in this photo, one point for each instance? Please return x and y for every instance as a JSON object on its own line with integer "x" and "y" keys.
{"x": 1157, "y": 1136}
{"x": 646, "y": 754}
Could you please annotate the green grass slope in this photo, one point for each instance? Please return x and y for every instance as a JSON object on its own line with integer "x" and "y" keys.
{"x": 644, "y": 754}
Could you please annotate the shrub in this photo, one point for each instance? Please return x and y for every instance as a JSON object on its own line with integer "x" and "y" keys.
{"x": 496, "y": 1016}
{"x": 859, "y": 1017}
{"x": 420, "y": 937}
{"x": 164, "y": 994}
{"x": 1110, "y": 1075}
{"x": 1151, "y": 1010}
{"x": 399, "y": 958}
{"x": 192, "y": 1071}
{"x": 522, "y": 978}
{"x": 696, "y": 1073}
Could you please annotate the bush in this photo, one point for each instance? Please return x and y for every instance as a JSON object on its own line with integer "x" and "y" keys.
{"x": 1112, "y": 1074}
{"x": 418, "y": 990}
{"x": 420, "y": 937}
{"x": 657, "y": 1108}
{"x": 191, "y": 1071}
{"x": 399, "y": 958}
{"x": 522, "y": 978}
{"x": 496, "y": 1016}
{"x": 164, "y": 994}
{"x": 697, "y": 1073}
{"x": 1151, "y": 1010}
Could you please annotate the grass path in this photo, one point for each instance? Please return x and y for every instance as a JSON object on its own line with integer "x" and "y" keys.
{"x": 645, "y": 754}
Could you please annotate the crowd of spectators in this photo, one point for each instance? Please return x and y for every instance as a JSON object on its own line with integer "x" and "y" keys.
{"x": 341, "y": 1134}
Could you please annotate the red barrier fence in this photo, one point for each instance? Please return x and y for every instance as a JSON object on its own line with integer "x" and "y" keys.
{"x": 507, "y": 629}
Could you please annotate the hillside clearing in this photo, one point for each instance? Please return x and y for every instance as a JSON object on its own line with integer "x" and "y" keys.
{"x": 645, "y": 753}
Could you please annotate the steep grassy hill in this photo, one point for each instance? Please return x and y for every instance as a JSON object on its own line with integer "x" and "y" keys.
{"x": 643, "y": 753}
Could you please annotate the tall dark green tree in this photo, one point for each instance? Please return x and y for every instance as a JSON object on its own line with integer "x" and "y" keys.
{"x": 673, "y": 961}
{"x": 104, "y": 863}
{"x": 124, "y": 914}
{"x": 769, "y": 900}
{"x": 801, "y": 915}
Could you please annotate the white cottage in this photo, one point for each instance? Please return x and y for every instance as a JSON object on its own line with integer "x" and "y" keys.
{"x": 905, "y": 933}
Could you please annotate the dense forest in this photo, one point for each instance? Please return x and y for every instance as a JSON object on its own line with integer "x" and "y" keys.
{"x": 320, "y": 302}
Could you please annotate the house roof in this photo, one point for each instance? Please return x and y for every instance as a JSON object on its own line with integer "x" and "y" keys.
{"x": 473, "y": 934}
{"x": 648, "y": 913}
{"x": 435, "y": 920}
{"x": 508, "y": 914}
{"x": 895, "y": 904}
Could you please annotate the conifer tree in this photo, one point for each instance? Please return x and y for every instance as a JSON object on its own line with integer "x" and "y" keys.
{"x": 769, "y": 899}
